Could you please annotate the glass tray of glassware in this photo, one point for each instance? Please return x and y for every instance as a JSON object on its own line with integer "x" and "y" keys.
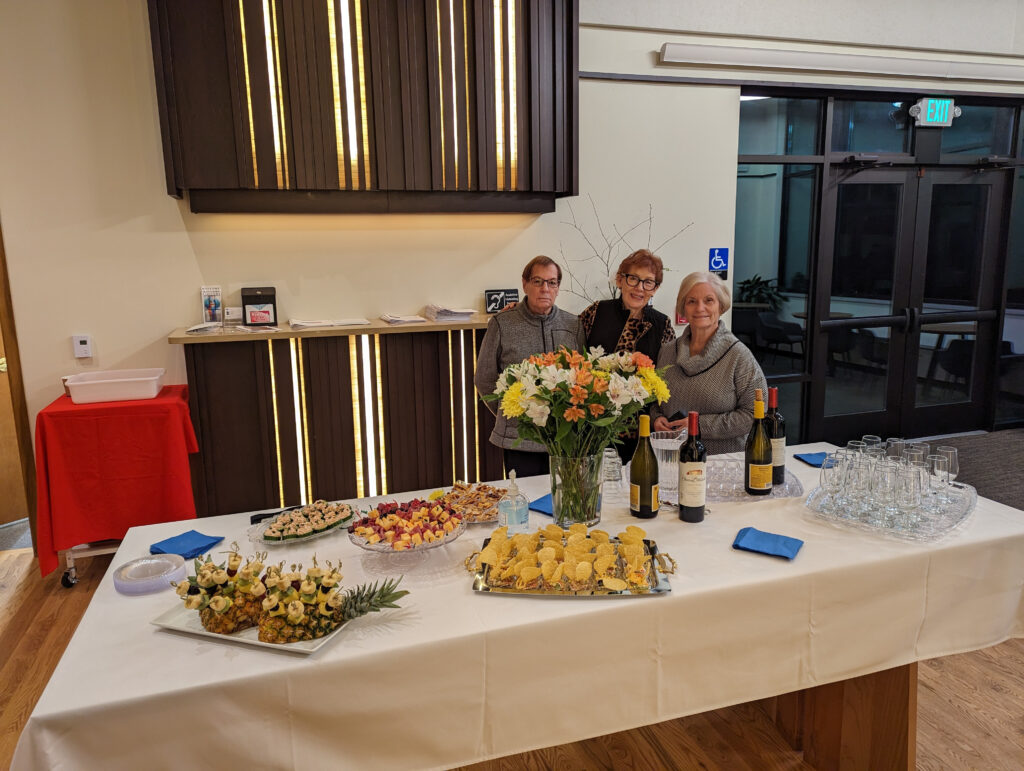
{"x": 725, "y": 482}
{"x": 892, "y": 497}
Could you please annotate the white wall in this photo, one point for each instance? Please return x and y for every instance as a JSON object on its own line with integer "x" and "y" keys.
{"x": 986, "y": 26}
{"x": 94, "y": 245}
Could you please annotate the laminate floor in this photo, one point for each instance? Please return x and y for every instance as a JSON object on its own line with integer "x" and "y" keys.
{"x": 970, "y": 706}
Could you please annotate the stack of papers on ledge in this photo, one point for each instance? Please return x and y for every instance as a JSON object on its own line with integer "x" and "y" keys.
{"x": 440, "y": 313}
{"x": 300, "y": 324}
{"x": 391, "y": 318}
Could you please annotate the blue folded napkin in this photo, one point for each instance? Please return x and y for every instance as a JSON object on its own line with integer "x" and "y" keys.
{"x": 812, "y": 458}
{"x": 543, "y": 505}
{"x": 188, "y": 545}
{"x": 752, "y": 539}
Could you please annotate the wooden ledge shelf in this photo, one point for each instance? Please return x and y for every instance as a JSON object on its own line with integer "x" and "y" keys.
{"x": 375, "y": 327}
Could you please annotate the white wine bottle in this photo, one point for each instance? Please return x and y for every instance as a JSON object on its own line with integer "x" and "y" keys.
{"x": 757, "y": 455}
{"x": 643, "y": 475}
{"x": 693, "y": 480}
{"x": 777, "y": 433}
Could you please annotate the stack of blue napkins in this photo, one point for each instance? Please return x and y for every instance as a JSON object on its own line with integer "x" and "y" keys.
{"x": 812, "y": 458}
{"x": 543, "y": 505}
{"x": 752, "y": 539}
{"x": 188, "y": 545}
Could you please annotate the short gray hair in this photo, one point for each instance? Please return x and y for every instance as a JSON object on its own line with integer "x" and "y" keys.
{"x": 720, "y": 288}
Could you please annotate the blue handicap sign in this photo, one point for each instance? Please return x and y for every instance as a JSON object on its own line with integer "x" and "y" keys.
{"x": 718, "y": 258}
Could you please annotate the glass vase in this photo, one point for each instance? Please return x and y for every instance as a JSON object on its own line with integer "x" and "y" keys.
{"x": 576, "y": 490}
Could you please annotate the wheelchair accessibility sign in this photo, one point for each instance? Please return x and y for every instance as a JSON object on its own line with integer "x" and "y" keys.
{"x": 718, "y": 259}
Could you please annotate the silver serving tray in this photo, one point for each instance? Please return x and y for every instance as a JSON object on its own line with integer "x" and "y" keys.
{"x": 658, "y": 583}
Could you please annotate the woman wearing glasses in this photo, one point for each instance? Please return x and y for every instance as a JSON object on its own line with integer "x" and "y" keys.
{"x": 535, "y": 325}
{"x": 629, "y": 323}
{"x": 709, "y": 370}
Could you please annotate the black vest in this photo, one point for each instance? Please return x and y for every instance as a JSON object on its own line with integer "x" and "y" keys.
{"x": 610, "y": 320}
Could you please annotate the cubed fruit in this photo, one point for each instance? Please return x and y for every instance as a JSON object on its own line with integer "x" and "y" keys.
{"x": 400, "y": 545}
{"x": 417, "y": 539}
{"x": 374, "y": 538}
{"x": 389, "y": 536}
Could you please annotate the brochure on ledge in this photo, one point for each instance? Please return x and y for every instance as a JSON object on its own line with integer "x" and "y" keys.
{"x": 391, "y": 318}
{"x": 303, "y": 324}
{"x": 436, "y": 312}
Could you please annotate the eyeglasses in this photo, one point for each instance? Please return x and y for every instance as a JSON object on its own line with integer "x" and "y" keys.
{"x": 552, "y": 283}
{"x": 648, "y": 283}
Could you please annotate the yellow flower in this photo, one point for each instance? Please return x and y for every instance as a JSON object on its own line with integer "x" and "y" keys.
{"x": 654, "y": 384}
{"x": 511, "y": 401}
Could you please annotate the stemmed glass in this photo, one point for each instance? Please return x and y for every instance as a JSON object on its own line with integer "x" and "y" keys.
{"x": 894, "y": 447}
{"x": 833, "y": 469}
{"x": 938, "y": 467}
{"x": 871, "y": 440}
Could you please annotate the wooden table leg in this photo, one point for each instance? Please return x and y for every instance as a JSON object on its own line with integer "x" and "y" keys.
{"x": 867, "y": 722}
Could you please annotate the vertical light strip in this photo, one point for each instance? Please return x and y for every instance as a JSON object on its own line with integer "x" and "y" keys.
{"x": 277, "y": 425}
{"x": 305, "y": 425}
{"x": 380, "y": 419}
{"x": 462, "y": 392}
{"x": 440, "y": 93}
{"x": 451, "y": 398}
{"x": 476, "y": 417}
{"x": 357, "y": 438}
{"x": 499, "y": 98}
{"x": 371, "y": 450}
{"x": 465, "y": 67}
{"x": 350, "y": 99}
{"x": 362, "y": 98}
{"x": 282, "y": 155}
{"x": 297, "y": 405}
{"x": 273, "y": 92}
{"x": 513, "y": 128}
{"x": 248, "y": 97}
{"x": 455, "y": 101}
{"x": 339, "y": 144}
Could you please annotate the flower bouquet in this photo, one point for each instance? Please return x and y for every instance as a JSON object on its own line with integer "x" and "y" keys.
{"x": 576, "y": 404}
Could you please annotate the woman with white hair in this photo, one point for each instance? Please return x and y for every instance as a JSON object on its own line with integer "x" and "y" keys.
{"x": 709, "y": 369}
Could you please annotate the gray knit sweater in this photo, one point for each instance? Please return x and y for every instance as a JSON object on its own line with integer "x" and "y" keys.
{"x": 515, "y": 335}
{"x": 718, "y": 383}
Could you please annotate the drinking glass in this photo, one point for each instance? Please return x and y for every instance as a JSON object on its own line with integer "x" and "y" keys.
{"x": 833, "y": 467}
{"x": 938, "y": 467}
{"x": 666, "y": 446}
{"x": 908, "y": 496}
{"x": 871, "y": 440}
{"x": 884, "y": 487}
{"x": 858, "y": 484}
{"x": 894, "y": 447}
{"x": 611, "y": 473}
{"x": 923, "y": 446}
{"x": 914, "y": 454}
{"x": 856, "y": 445}
{"x": 950, "y": 454}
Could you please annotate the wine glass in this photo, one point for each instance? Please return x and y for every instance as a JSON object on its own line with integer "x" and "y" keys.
{"x": 833, "y": 468}
{"x": 894, "y": 447}
{"x": 871, "y": 440}
{"x": 950, "y": 454}
{"x": 938, "y": 467}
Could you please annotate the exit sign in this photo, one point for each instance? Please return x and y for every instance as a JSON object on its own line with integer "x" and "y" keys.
{"x": 933, "y": 112}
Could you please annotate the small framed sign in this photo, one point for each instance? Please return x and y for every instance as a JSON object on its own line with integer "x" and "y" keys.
{"x": 496, "y": 299}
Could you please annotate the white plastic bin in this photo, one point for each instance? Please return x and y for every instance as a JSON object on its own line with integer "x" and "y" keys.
{"x": 115, "y": 385}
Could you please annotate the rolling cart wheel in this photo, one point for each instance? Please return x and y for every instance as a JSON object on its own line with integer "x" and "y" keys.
{"x": 69, "y": 579}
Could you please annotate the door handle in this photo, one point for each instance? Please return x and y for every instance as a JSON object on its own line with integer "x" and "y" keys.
{"x": 3, "y": 363}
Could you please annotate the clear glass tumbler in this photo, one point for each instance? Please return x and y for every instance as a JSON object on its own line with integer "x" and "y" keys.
{"x": 666, "y": 446}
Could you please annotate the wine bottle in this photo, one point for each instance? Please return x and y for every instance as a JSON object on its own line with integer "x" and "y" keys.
{"x": 693, "y": 480}
{"x": 643, "y": 475}
{"x": 777, "y": 433}
{"x": 757, "y": 455}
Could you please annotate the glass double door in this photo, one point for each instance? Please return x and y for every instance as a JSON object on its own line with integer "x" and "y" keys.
{"x": 905, "y": 312}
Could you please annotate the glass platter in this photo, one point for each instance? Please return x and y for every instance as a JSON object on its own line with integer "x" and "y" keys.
{"x": 916, "y": 525}
{"x": 725, "y": 483}
{"x": 181, "y": 619}
{"x": 385, "y": 548}
{"x": 658, "y": 580}
{"x": 255, "y": 533}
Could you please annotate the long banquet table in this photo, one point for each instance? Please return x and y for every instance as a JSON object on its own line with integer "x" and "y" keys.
{"x": 455, "y": 677}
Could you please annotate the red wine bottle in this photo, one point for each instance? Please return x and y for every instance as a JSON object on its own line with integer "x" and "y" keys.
{"x": 776, "y": 425}
{"x": 693, "y": 480}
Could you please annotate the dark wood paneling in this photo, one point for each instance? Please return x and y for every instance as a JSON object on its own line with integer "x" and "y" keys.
{"x": 327, "y": 201}
{"x": 523, "y": 122}
{"x": 236, "y": 468}
{"x": 285, "y": 426}
{"x": 484, "y": 81}
{"x": 329, "y": 417}
{"x": 492, "y": 461}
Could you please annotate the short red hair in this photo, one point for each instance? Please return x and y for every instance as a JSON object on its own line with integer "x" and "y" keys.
{"x": 643, "y": 258}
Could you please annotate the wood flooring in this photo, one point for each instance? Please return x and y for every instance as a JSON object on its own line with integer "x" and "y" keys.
{"x": 970, "y": 706}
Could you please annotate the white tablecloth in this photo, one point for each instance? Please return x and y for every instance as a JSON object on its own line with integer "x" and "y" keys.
{"x": 454, "y": 677}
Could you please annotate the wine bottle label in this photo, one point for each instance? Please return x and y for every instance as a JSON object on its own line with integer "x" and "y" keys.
{"x": 759, "y": 477}
{"x": 634, "y": 497}
{"x": 779, "y": 452}
{"x": 692, "y": 484}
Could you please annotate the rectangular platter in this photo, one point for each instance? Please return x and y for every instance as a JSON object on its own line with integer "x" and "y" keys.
{"x": 181, "y": 619}
{"x": 658, "y": 583}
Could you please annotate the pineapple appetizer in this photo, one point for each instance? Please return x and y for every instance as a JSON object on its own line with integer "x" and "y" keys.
{"x": 286, "y": 606}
